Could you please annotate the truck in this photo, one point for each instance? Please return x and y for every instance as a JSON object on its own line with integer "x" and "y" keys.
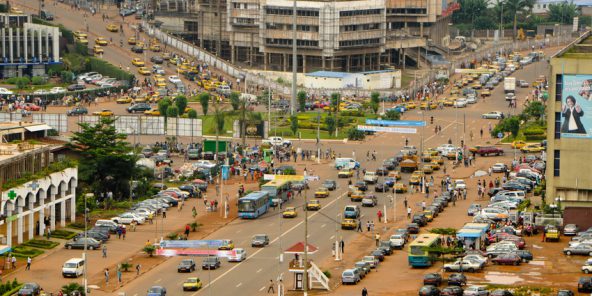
{"x": 277, "y": 141}
{"x": 510, "y": 85}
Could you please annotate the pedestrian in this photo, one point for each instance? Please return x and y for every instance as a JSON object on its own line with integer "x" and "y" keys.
{"x": 423, "y": 205}
{"x": 106, "y": 276}
{"x": 368, "y": 225}
{"x": 364, "y": 292}
{"x": 405, "y": 202}
{"x": 119, "y": 276}
{"x": 123, "y": 231}
{"x": 13, "y": 262}
{"x": 271, "y": 287}
{"x": 28, "y": 264}
{"x": 138, "y": 267}
{"x": 359, "y": 226}
{"x": 342, "y": 246}
{"x": 104, "y": 251}
{"x": 377, "y": 238}
{"x": 544, "y": 236}
{"x": 187, "y": 228}
{"x": 408, "y": 212}
{"x": 163, "y": 214}
{"x": 379, "y": 215}
{"x": 119, "y": 231}
{"x": 194, "y": 212}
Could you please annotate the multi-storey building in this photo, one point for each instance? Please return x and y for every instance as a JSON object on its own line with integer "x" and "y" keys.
{"x": 357, "y": 35}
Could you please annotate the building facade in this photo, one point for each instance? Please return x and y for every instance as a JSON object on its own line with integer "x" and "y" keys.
{"x": 569, "y": 132}
{"x": 349, "y": 36}
{"x": 27, "y": 48}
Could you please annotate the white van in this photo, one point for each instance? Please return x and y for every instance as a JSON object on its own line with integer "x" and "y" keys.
{"x": 102, "y": 222}
{"x": 346, "y": 163}
{"x": 73, "y": 267}
{"x": 519, "y": 195}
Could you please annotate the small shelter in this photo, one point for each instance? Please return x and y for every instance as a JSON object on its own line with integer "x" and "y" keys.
{"x": 315, "y": 275}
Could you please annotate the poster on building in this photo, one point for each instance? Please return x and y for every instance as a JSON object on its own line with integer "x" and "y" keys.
{"x": 576, "y": 107}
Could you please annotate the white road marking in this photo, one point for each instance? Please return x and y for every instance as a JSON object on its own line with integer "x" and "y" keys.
{"x": 239, "y": 284}
{"x": 158, "y": 280}
{"x": 235, "y": 266}
{"x": 262, "y": 288}
{"x": 238, "y": 231}
{"x": 260, "y": 269}
{"x": 323, "y": 225}
{"x": 332, "y": 237}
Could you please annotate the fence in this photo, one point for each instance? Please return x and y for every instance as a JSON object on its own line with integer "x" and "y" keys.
{"x": 58, "y": 122}
{"x": 153, "y": 125}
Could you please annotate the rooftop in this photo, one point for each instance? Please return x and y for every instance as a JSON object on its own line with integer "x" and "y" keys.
{"x": 581, "y": 48}
{"x": 10, "y": 150}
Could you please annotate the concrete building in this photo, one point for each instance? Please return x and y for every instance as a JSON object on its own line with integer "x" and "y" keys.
{"x": 24, "y": 207}
{"x": 348, "y": 36}
{"x": 27, "y": 48}
{"x": 569, "y": 132}
{"x": 542, "y": 6}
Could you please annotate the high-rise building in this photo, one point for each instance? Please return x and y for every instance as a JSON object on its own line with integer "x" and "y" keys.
{"x": 357, "y": 35}
{"x": 569, "y": 132}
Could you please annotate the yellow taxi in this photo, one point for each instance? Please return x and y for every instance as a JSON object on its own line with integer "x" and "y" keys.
{"x": 290, "y": 212}
{"x": 138, "y": 62}
{"x": 141, "y": 44}
{"x": 476, "y": 85}
{"x": 428, "y": 105}
{"x": 357, "y": 195}
{"x": 152, "y": 112}
{"x": 80, "y": 34}
{"x": 112, "y": 28}
{"x": 426, "y": 156}
{"x": 124, "y": 100}
{"x": 435, "y": 165}
{"x": 454, "y": 91}
{"x": 349, "y": 224}
{"x": 518, "y": 144}
{"x": 465, "y": 82}
{"x": 322, "y": 192}
{"x": 439, "y": 159}
{"x": 449, "y": 102}
{"x": 132, "y": 41}
{"x": 485, "y": 93}
{"x": 227, "y": 244}
{"x": 427, "y": 168}
{"x": 532, "y": 148}
{"x": 104, "y": 112}
{"x": 313, "y": 205}
{"x": 411, "y": 105}
{"x": 160, "y": 82}
{"x": 429, "y": 215}
{"x": 395, "y": 174}
{"x": 144, "y": 71}
{"x": 101, "y": 41}
{"x": 400, "y": 188}
{"x": 82, "y": 40}
{"x": 191, "y": 284}
{"x": 141, "y": 100}
{"x": 97, "y": 49}
{"x": 415, "y": 178}
{"x": 155, "y": 47}
{"x": 345, "y": 173}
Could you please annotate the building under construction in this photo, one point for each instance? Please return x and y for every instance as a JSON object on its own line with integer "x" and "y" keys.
{"x": 348, "y": 36}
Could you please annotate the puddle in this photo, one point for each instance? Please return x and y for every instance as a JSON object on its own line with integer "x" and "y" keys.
{"x": 538, "y": 263}
{"x": 533, "y": 273}
{"x": 502, "y": 278}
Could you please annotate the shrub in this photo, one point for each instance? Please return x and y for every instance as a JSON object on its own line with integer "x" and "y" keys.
{"x": 12, "y": 80}
{"x": 78, "y": 225}
{"x": 42, "y": 244}
{"x": 38, "y": 80}
{"x": 356, "y": 113}
{"x": 194, "y": 226}
{"x": 73, "y": 287}
{"x": 24, "y": 252}
{"x": 444, "y": 231}
{"x": 66, "y": 76}
{"x": 125, "y": 266}
{"x": 355, "y": 134}
{"x": 533, "y": 131}
{"x": 150, "y": 250}
{"x": 63, "y": 234}
{"x": 327, "y": 274}
{"x": 172, "y": 236}
{"x": 536, "y": 137}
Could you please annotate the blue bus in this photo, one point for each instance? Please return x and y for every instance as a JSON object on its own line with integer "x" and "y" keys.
{"x": 278, "y": 191}
{"x": 253, "y": 205}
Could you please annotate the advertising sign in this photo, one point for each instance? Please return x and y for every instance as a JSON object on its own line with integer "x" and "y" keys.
{"x": 395, "y": 122}
{"x": 576, "y": 107}
{"x": 401, "y": 130}
{"x": 192, "y": 243}
{"x": 194, "y": 252}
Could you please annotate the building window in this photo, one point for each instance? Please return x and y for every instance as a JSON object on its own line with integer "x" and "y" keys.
{"x": 557, "y": 125}
{"x": 556, "y": 162}
{"x": 359, "y": 42}
{"x": 558, "y": 87}
{"x": 360, "y": 12}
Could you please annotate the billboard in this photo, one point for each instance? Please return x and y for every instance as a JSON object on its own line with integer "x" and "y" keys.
{"x": 576, "y": 106}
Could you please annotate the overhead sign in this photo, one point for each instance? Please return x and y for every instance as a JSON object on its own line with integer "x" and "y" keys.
{"x": 270, "y": 177}
{"x": 386, "y": 129}
{"x": 473, "y": 71}
{"x": 180, "y": 244}
{"x": 395, "y": 122}
{"x": 194, "y": 252}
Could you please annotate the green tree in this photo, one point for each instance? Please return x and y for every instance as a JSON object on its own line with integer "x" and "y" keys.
{"x": 163, "y": 106}
{"x": 66, "y": 76}
{"x": 374, "y": 106}
{"x": 204, "y": 100}
{"x": 508, "y": 125}
{"x": 218, "y": 122}
{"x": 331, "y": 124}
{"x": 192, "y": 114}
{"x": 302, "y": 100}
{"x": 105, "y": 162}
{"x": 235, "y": 100}
{"x": 73, "y": 287}
{"x": 294, "y": 124}
{"x": 375, "y": 97}
{"x": 534, "y": 109}
{"x": 355, "y": 134}
{"x": 181, "y": 103}
{"x": 172, "y": 111}
{"x": 563, "y": 12}
{"x": 392, "y": 115}
{"x": 519, "y": 8}
{"x": 335, "y": 101}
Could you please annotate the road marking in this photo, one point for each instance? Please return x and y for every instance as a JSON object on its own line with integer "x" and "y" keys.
{"x": 262, "y": 288}
{"x": 332, "y": 237}
{"x": 323, "y": 225}
{"x": 235, "y": 266}
{"x": 308, "y": 235}
{"x": 260, "y": 269}
{"x": 238, "y": 231}
{"x": 158, "y": 280}
{"x": 239, "y": 284}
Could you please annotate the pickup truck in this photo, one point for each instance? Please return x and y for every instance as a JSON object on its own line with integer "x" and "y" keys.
{"x": 487, "y": 150}
{"x": 277, "y": 141}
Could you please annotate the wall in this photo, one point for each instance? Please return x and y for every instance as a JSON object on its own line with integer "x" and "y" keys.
{"x": 579, "y": 216}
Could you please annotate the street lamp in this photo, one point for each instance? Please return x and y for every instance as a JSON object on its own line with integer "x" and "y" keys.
{"x": 86, "y": 211}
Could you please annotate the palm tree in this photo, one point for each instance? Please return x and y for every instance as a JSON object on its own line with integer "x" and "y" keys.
{"x": 218, "y": 121}
{"x": 518, "y": 7}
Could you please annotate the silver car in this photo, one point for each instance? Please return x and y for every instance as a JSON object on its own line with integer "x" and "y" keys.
{"x": 350, "y": 276}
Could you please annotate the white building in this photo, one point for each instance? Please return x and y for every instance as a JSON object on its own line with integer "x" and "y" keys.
{"x": 542, "y": 6}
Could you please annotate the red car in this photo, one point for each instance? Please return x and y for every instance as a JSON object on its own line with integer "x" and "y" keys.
{"x": 518, "y": 241}
{"x": 507, "y": 259}
{"x": 31, "y": 107}
{"x": 500, "y": 236}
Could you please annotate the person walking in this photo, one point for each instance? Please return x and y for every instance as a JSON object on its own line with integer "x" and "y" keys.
{"x": 106, "y": 276}
{"x": 271, "y": 287}
{"x": 119, "y": 276}
{"x": 364, "y": 292}
{"x": 187, "y": 228}
{"x": 13, "y": 261}
{"x": 377, "y": 238}
{"x": 163, "y": 214}
{"x": 28, "y": 263}
{"x": 138, "y": 268}
{"x": 342, "y": 246}
{"x": 360, "y": 226}
{"x": 104, "y": 251}
{"x": 194, "y": 212}
{"x": 379, "y": 215}
{"x": 123, "y": 231}
{"x": 408, "y": 212}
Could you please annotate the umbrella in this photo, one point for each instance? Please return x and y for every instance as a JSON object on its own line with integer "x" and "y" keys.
{"x": 480, "y": 173}
{"x": 198, "y": 181}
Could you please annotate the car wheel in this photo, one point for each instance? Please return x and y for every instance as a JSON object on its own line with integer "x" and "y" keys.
{"x": 568, "y": 253}
{"x": 471, "y": 270}
{"x": 524, "y": 260}
{"x": 69, "y": 247}
{"x": 586, "y": 271}
{"x": 91, "y": 248}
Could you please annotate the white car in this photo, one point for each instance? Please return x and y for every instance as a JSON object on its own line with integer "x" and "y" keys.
{"x": 587, "y": 268}
{"x": 476, "y": 291}
{"x": 494, "y": 213}
{"x": 476, "y": 257}
{"x": 492, "y": 115}
{"x": 224, "y": 89}
{"x": 460, "y": 103}
{"x": 498, "y": 167}
{"x": 85, "y": 75}
{"x": 471, "y": 100}
{"x": 464, "y": 265}
{"x": 507, "y": 205}
{"x": 445, "y": 148}
{"x": 370, "y": 177}
{"x": 277, "y": 141}
{"x": 174, "y": 79}
{"x": 204, "y": 164}
{"x": 239, "y": 255}
{"x": 460, "y": 184}
{"x": 144, "y": 212}
{"x": 157, "y": 69}
{"x": 397, "y": 241}
{"x": 128, "y": 218}
{"x": 41, "y": 92}
{"x": 57, "y": 90}
{"x": 93, "y": 77}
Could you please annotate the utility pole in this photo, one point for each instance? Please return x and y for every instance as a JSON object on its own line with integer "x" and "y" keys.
{"x": 294, "y": 62}
{"x": 318, "y": 136}
{"x": 85, "y": 243}
{"x": 305, "y": 277}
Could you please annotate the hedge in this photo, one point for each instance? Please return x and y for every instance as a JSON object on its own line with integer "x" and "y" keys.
{"x": 42, "y": 244}
{"x": 24, "y": 252}
{"x": 108, "y": 69}
{"x": 355, "y": 113}
{"x": 533, "y": 131}
{"x": 536, "y": 137}
{"x": 63, "y": 234}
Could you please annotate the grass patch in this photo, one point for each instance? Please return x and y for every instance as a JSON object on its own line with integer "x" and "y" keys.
{"x": 106, "y": 214}
{"x": 63, "y": 234}
{"x": 77, "y": 225}
{"x": 42, "y": 244}
{"x": 24, "y": 252}
{"x": 209, "y": 128}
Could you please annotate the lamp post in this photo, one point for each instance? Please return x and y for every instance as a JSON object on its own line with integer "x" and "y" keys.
{"x": 85, "y": 280}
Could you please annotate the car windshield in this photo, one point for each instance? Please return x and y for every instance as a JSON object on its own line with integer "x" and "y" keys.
{"x": 191, "y": 281}
{"x": 246, "y": 206}
{"x": 260, "y": 237}
{"x": 186, "y": 262}
{"x": 417, "y": 250}
{"x": 29, "y": 286}
{"x": 347, "y": 273}
{"x": 154, "y": 290}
